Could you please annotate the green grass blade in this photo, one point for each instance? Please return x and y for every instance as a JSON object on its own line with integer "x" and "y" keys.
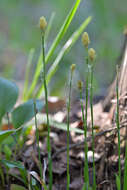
{"x": 65, "y": 48}
{"x": 125, "y": 170}
{"x": 63, "y": 30}
{"x": 57, "y": 40}
{"x": 30, "y": 58}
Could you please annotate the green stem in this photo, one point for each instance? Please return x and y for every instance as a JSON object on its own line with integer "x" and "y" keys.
{"x": 91, "y": 108}
{"x": 86, "y": 170}
{"x": 68, "y": 126}
{"x": 118, "y": 123}
{"x": 46, "y": 107}
{"x": 37, "y": 140}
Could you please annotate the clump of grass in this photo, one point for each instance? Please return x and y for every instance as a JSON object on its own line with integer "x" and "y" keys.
{"x": 89, "y": 82}
{"x": 86, "y": 169}
{"x": 118, "y": 177}
{"x": 72, "y": 68}
{"x": 43, "y": 25}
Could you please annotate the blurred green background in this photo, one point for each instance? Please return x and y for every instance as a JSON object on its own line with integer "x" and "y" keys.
{"x": 19, "y": 32}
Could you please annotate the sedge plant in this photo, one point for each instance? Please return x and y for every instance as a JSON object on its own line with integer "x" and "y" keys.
{"x": 72, "y": 68}
{"x": 118, "y": 177}
{"x": 89, "y": 82}
{"x": 91, "y": 55}
{"x": 43, "y": 25}
{"x": 86, "y": 168}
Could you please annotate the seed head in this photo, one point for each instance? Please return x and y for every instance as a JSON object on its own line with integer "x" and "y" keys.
{"x": 80, "y": 85}
{"x": 43, "y": 23}
{"x": 91, "y": 54}
{"x": 85, "y": 39}
{"x": 72, "y": 67}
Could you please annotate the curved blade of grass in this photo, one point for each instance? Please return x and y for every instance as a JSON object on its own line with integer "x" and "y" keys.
{"x": 65, "y": 48}
{"x": 30, "y": 58}
{"x": 55, "y": 43}
{"x": 63, "y": 30}
{"x": 41, "y": 118}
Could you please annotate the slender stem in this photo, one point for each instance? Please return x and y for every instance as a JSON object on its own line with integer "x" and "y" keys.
{"x": 46, "y": 106}
{"x": 118, "y": 123}
{"x": 86, "y": 170}
{"x": 68, "y": 126}
{"x": 91, "y": 108}
{"x": 37, "y": 140}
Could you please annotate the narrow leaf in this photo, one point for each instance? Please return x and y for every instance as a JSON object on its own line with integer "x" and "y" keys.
{"x": 63, "y": 30}
{"x": 62, "y": 126}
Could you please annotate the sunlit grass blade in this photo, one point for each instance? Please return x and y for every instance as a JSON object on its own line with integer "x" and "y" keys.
{"x": 55, "y": 43}
{"x": 125, "y": 169}
{"x": 63, "y": 30}
{"x": 30, "y": 58}
{"x": 65, "y": 49}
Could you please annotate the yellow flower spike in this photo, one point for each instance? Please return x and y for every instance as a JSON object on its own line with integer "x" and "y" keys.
{"x": 80, "y": 85}
{"x": 43, "y": 23}
{"x": 72, "y": 67}
{"x": 85, "y": 39}
{"x": 91, "y": 54}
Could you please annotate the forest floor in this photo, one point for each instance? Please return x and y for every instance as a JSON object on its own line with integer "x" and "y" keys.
{"x": 106, "y": 147}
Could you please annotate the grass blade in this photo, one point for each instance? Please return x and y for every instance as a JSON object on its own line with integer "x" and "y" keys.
{"x": 63, "y": 30}
{"x": 65, "y": 48}
{"x": 57, "y": 40}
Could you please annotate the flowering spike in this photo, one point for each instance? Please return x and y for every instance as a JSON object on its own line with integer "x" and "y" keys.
{"x": 91, "y": 54}
{"x": 80, "y": 85}
{"x": 85, "y": 39}
{"x": 72, "y": 67}
{"x": 43, "y": 23}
